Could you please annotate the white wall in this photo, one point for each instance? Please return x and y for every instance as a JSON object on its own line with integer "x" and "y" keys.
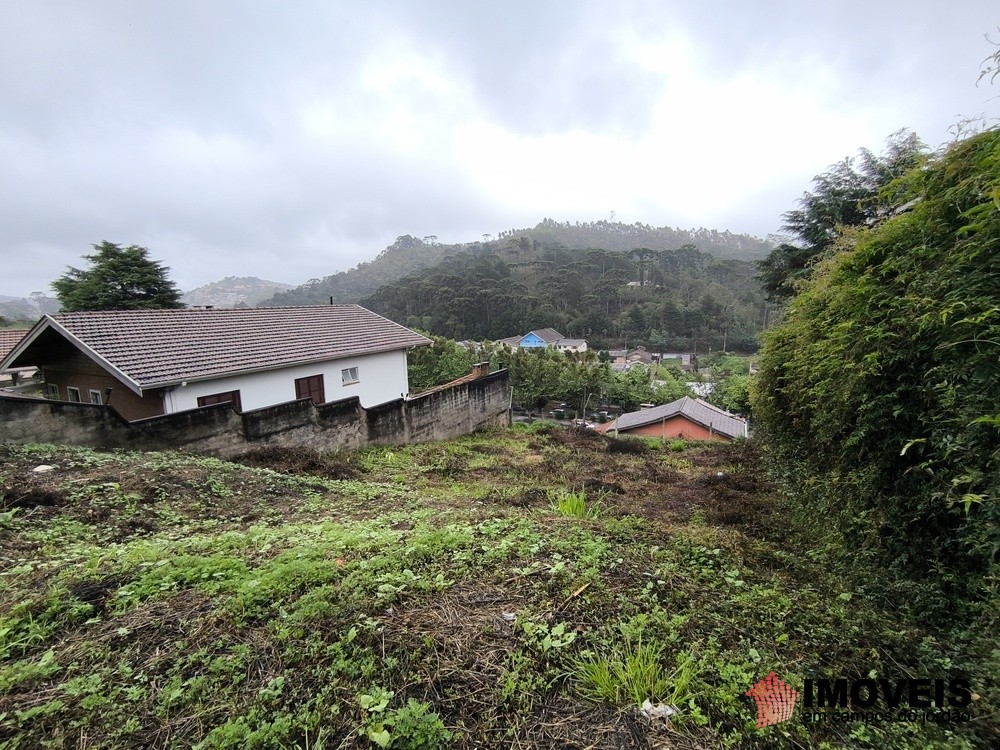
{"x": 383, "y": 378}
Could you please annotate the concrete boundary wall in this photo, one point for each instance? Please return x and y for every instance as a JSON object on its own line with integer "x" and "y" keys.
{"x": 220, "y": 431}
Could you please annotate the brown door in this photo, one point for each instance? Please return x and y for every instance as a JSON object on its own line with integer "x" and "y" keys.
{"x": 232, "y": 397}
{"x": 311, "y": 387}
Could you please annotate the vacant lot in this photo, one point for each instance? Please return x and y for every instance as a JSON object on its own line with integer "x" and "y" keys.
{"x": 524, "y": 588}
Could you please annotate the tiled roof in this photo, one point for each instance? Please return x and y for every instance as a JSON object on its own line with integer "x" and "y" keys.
{"x": 548, "y": 335}
{"x": 153, "y": 348}
{"x": 695, "y": 409}
{"x": 571, "y": 342}
{"x": 9, "y": 338}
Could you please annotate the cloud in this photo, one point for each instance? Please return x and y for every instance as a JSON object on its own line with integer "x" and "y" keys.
{"x": 292, "y": 141}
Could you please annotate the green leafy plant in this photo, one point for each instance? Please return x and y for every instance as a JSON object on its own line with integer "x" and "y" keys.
{"x": 573, "y": 504}
{"x": 547, "y": 638}
{"x": 410, "y": 727}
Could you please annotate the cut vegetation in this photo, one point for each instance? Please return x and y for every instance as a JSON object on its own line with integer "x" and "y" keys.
{"x": 523, "y": 588}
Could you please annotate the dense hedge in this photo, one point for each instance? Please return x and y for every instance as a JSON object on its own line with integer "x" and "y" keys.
{"x": 882, "y": 384}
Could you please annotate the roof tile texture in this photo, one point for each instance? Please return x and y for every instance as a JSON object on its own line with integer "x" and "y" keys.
{"x": 9, "y": 338}
{"x": 548, "y": 335}
{"x": 156, "y": 347}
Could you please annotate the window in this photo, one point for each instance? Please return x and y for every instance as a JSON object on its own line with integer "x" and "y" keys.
{"x": 310, "y": 387}
{"x": 229, "y": 397}
{"x": 95, "y": 397}
{"x": 73, "y": 394}
{"x": 350, "y": 376}
{"x": 52, "y": 390}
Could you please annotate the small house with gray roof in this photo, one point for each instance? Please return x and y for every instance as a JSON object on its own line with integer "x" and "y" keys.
{"x": 145, "y": 363}
{"x": 686, "y": 418}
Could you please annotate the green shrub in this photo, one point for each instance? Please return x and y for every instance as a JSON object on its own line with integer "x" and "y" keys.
{"x": 879, "y": 394}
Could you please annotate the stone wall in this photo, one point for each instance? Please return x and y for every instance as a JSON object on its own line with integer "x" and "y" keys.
{"x": 220, "y": 431}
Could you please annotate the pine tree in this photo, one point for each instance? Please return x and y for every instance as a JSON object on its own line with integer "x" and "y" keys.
{"x": 119, "y": 278}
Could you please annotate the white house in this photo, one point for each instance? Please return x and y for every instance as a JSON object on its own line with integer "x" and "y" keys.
{"x": 572, "y": 345}
{"x": 145, "y": 363}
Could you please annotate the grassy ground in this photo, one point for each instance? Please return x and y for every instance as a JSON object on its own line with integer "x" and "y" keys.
{"x": 522, "y": 588}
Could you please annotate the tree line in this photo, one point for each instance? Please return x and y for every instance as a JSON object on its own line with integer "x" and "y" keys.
{"x": 584, "y": 380}
{"x": 409, "y": 254}
{"x": 678, "y": 299}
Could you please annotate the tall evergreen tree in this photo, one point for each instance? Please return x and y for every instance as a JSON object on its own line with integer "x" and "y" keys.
{"x": 119, "y": 278}
{"x": 851, "y": 193}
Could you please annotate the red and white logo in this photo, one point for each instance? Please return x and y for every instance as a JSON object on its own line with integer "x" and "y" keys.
{"x": 775, "y": 700}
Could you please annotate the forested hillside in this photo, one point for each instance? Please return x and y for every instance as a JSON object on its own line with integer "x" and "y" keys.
{"x": 667, "y": 300}
{"x": 550, "y": 248}
{"x": 405, "y": 255}
{"x": 613, "y": 235}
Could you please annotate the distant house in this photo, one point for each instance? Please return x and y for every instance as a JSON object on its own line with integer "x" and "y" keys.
{"x": 679, "y": 358}
{"x": 572, "y": 345}
{"x": 639, "y": 356}
{"x": 9, "y": 338}
{"x": 146, "y": 363}
{"x": 687, "y": 418}
{"x": 545, "y": 338}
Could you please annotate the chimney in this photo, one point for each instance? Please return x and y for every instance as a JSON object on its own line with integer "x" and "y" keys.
{"x": 480, "y": 370}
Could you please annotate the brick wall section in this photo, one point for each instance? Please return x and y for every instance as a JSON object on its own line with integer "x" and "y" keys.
{"x": 219, "y": 431}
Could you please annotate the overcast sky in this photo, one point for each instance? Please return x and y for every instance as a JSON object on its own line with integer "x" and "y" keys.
{"x": 290, "y": 140}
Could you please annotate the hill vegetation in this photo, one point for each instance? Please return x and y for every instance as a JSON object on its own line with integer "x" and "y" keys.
{"x": 232, "y": 291}
{"x": 878, "y": 394}
{"x": 695, "y": 286}
{"x": 680, "y": 299}
{"x": 529, "y": 587}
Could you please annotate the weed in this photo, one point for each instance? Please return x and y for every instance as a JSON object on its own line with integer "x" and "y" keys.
{"x": 633, "y": 672}
{"x": 413, "y": 725}
{"x": 546, "y": 639}
{"x": 12, "y": 675}
{"x": 573, "y": 504}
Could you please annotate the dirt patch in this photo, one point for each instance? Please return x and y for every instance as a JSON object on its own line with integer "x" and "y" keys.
{"x": 95, "y": 591}
{"x": 734, "y": 499}
{"x": 302, "y": 461}
{"x": 31, "y": 497}
{"x": 576, "y": 438}
{"x": 628, "y": 445}
{"x": 598, "y": 486}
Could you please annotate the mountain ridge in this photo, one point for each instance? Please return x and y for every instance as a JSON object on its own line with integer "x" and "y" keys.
{"x": 409, "y": 254}
{"x": 232, "y": 291}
